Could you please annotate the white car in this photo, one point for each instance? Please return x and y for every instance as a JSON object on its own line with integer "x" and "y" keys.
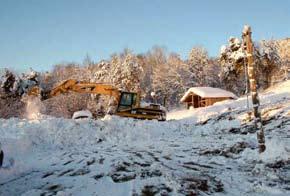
{"x": 83, "y": 114}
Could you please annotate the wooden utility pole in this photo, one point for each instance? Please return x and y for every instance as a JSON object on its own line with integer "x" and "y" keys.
{"x": 249, "y": 48}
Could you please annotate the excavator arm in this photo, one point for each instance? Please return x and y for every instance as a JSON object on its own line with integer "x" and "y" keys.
{"x": 72, "y": 85}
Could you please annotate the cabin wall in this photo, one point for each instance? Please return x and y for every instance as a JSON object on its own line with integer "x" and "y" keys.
{"x": 197, "y": 101}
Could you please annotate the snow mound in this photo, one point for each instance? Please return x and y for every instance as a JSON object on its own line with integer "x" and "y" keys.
{"x": 204, "y": 151}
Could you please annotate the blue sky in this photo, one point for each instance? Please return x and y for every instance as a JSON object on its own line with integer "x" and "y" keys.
{"x": 39, "y": 33}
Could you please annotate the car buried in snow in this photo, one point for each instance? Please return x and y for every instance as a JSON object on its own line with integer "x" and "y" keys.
{"x": 83, "y": 114}
{"x": 1, "y": 156}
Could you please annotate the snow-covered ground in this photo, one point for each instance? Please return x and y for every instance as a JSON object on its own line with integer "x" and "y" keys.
{"x": 205, "y": 151}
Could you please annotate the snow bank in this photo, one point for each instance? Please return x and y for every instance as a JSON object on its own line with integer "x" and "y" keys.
{"x": 85, "y": 156}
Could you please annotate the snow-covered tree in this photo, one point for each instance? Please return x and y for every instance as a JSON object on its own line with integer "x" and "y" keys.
{"x": 8, "y": 80}
{"x": 211, "y": 71}
{"x": 153, "y": 59}
{"x": 101, "y": 72}
{"x": 168, "y": 81}
{"x": 284, "y": 53}
{"x": 26, "y": 82}
{"x": 198, "y": 62}
{"x": 232, "y": 59}
{"x": 18, "y": 85}
{"x": 232, "y": 66}
{"x": 126, "y": 72}
{"x": 270, "y": 60}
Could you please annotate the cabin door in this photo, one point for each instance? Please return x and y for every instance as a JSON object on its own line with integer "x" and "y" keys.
{"x": 195, "y": 101}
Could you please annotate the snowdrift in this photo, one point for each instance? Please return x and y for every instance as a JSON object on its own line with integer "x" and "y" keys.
{"x": 209, "y": 150}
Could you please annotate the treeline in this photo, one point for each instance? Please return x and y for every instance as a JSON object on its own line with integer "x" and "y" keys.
{"x": 166, "y": 74}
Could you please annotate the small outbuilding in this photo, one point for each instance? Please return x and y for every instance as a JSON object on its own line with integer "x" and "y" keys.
{"x": 204, "y": 96}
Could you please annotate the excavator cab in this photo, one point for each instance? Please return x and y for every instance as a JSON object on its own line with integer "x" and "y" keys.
{"x": 127, "y": 101}
{"x": 129, "y": 106}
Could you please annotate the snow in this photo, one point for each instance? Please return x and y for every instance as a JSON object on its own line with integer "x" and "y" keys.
{"x": 223, "y": 49}
{"x": 207, "y": 151}
{"x": 144, "y": 104}
{"x": 276, "y": 150}
{"x": 208, "y": 92}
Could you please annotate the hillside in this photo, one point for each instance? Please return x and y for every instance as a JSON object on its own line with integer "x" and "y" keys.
{"x": 210, "y": 150}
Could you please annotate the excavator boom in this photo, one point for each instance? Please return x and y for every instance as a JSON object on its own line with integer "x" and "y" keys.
{"x": 72, "y": 85}
{"x": 84, "y": 87}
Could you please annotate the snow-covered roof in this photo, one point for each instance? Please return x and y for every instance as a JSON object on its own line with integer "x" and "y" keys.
{"x": 208, "y": 92}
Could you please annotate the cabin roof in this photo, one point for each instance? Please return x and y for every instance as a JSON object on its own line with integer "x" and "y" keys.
{"x": 208, "y": 92}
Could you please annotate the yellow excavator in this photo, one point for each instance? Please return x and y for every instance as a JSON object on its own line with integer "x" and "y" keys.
{"x": 128, "y": 103}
